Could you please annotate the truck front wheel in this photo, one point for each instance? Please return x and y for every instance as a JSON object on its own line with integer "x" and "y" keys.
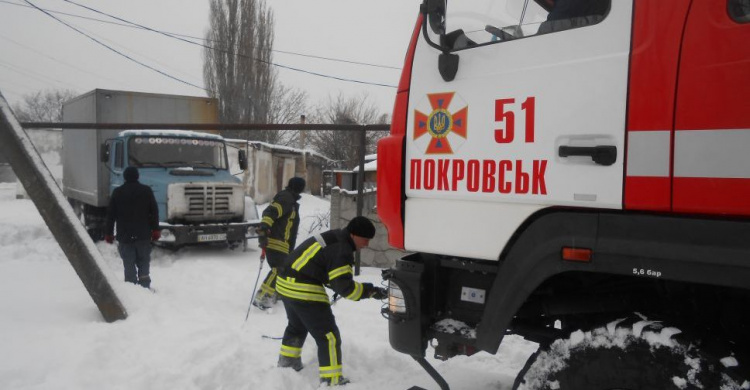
{"x": 628, "y": 355}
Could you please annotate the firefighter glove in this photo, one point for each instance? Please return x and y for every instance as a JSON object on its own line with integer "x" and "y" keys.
{"x": 155, "y": 235}
{"x": 262, "y": 233}
{"x": 373, "y": 292}
{"x": 109, "y": 238}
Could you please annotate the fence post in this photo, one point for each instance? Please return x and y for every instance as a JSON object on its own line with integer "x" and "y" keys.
{"x": 360, "y": 185}
{"x": 302, "y": 146}
{"x": 57, "y": 214}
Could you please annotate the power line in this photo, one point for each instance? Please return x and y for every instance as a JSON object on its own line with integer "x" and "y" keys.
{"x": 58, "y": 60}
{"x": 227, "y": 52}
{"x": 10, "y": 91}
{"x": 44, "y": 79}
{"x": 115, "y": 50}
{"x": 131, "y": 25}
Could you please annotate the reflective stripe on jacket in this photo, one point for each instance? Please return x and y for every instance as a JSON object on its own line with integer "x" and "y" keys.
{"x": 281, "y": 217}
{"x": 325, "y": 260}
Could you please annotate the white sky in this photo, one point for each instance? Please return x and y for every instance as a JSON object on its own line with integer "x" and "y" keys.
{"x": 37, "y": 52}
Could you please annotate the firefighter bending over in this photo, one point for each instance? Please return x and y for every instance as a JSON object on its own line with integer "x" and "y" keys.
{"x": 277, "y": 234}
{"x": 322, "y": 260}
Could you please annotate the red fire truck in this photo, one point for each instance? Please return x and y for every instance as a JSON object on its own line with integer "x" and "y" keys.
{"x": 576, "y": 172}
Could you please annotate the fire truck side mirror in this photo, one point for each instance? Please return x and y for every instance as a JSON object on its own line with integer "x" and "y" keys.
{"x": 435, "y": 10}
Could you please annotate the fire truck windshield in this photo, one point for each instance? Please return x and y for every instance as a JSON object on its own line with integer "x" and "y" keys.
{"x": 488, "y": 21}
{"x": 176, "y": 152}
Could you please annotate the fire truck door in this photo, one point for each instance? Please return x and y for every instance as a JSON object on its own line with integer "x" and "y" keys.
{"x": 545, "y": 110}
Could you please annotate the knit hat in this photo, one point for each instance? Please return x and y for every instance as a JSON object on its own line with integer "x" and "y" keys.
{"x": 296, "y": 184}
{"x": 131, "y": 174}
{"x": 362, "y": 227}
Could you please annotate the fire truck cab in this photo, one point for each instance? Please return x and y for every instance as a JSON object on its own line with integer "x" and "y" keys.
{"x": 555, "y": 166}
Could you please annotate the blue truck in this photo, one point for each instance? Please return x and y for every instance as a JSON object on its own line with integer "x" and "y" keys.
{"x": 200, "y": 200}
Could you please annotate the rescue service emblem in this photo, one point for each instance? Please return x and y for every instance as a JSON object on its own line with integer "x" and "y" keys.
{"x": 443, "y": 130}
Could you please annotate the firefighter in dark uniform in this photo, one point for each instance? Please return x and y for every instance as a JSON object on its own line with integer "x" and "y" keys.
{"x": 277, "y": 235}
{"x": 324, "y": 260}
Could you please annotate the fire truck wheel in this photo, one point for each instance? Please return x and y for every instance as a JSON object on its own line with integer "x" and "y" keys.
{"x": 627, "y": 355}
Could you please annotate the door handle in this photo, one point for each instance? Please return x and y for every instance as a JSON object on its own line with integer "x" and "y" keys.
{"x": 602, "y": 154}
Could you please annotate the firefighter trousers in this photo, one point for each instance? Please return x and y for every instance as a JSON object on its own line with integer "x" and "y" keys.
{"x": 275, "y": 260}
{"x": 317, "y": 319}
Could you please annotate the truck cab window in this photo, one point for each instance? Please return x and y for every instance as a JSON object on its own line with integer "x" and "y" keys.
{"x": 489, "y": 21}
{"x": 171, "y": 152}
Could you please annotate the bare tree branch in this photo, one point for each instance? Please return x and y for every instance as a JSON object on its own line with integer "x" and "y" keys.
{"x": 343, "y": 146}
{"x": 239, "y": 73}
{"x": 43, "y": 106}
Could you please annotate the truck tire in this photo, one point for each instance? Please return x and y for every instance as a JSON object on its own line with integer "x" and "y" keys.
{"x": 92, "y": 218}
{"x": 625, "y": 355}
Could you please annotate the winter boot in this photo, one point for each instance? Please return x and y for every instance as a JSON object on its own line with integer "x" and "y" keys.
{"x": 329, "y": 381}
{"x": 294, "y": 363}
{"x": 145, "y": 281}
{"x": 261, "y": 300}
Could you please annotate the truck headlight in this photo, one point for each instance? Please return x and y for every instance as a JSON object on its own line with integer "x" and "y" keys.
{"x": 396, "y": 300}
{"x": 167, "y": 236}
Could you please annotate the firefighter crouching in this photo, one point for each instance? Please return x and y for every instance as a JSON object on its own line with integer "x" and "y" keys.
{"x": 322, "y": 260}
{"x": 277, "y": 234}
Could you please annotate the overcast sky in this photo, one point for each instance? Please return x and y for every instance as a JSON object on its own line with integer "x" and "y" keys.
{"x": 38, "y": 52}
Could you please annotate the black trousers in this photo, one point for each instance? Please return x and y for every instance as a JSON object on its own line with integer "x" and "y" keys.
{"x": 317, "y": 319}
{"x": 275, "y": 260}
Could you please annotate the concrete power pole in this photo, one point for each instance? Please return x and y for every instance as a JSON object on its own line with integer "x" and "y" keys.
{"x": 57, "y": 214}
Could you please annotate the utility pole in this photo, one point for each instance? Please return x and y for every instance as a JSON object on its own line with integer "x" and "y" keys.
{"x": 58, "y": 215}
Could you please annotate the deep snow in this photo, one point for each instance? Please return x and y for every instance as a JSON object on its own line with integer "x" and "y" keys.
{"x": 190, "y": 334}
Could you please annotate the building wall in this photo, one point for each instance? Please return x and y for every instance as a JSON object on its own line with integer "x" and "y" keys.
{"x": 344, "y": 208}
{"x": 269, "y": 171}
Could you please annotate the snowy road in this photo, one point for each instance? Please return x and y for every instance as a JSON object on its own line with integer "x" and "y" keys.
{"x": 190, "y": 334}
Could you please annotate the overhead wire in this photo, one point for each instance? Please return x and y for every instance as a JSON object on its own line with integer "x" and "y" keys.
{"x": 59, "y": 60}
{"x": 44, "y": 79}
{"x": 11, "y": 91}
{"x": 226, "y": 51}
{"x": 131, "y": 25}
{"x": 115, "y": 50}
{"x": 166, "y": 67}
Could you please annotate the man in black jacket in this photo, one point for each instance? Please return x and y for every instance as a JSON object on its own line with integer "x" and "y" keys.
{"x": 277, "y": 235}
{"x": 133, "y": 208}
{"x": 322, "y": 260}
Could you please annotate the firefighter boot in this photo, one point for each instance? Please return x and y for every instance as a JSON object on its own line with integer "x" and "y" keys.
{"x": 333, "y": 382}
{"x": 261, "y": 300}
{"x": 291, "y": 353}
{"x": 294, "y": 363}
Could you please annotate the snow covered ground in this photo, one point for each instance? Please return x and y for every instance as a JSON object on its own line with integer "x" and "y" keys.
{"x": 190, "y": 334}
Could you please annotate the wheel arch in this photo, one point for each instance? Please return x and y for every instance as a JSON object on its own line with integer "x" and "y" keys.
{"x": 689, "y": 249}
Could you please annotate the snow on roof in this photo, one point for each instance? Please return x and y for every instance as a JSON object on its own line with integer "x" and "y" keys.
{"x": 369, "y": 167}
{"x": 280, "y": 147}
{"x": 170, "y": 133}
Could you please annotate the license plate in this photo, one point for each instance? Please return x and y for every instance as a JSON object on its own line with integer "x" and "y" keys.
{"x": 212, "y": 237}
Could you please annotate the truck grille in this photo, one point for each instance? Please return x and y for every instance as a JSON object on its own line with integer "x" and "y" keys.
{"x": 208, "y": 201}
